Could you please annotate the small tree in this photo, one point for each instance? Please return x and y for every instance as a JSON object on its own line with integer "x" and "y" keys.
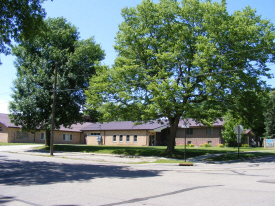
{"x": 33, "y": 89}
{"x": 228, "y": 133}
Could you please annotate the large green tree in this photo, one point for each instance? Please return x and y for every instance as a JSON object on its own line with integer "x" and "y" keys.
{"x": 20, "y": 20}
{"x": 270, "y": 117}
{"x": 182, "y": 59}
{"x": 33, "y": 88}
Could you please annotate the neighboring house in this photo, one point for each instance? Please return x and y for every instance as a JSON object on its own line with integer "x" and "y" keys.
{"x": 124, "y": 133}
{"x": 249, "y": 137}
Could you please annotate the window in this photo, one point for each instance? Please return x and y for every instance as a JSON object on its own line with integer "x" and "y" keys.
{"x": 67, "y": 137}
{"x": 209, "y": 142}
{"x": 22, "y": 135}
{"x": 209, "y": 130}
{"x": 120, "y": 138}
{"x": 127, "y": 138}
{"x": 42, "y": 135}
{"x": 114, "y": 138}
{"x": 135, "y": 138}
{"x": 93, "y": 134}
{"x": 0, "y": 129}
{"x": 189, "y": 142}
{"x": 189, "y": 131}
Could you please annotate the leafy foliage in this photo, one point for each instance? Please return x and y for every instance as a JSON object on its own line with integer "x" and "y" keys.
{"x": 270, "y": 117}
{"x": 35, "y": 62}
{"x": 248, "y": 107}
{"x": 178, "y": 60}
{"x": 19, "y": 20}
{"x": 228, "y": 133}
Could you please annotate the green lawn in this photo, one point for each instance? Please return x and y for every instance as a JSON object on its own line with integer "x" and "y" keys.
{"x": 159, "y": 151}
{"x": 10, "y": 144}
{"x": 227, "y": 157}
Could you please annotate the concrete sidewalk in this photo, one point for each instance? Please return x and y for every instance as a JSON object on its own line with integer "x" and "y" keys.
{"x": 112, "y": 158}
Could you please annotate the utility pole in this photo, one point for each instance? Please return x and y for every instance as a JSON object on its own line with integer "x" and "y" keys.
{"x": 185, "y": 126}
{"x": 53, "y": 109}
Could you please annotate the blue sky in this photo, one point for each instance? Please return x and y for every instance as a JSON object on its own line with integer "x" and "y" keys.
{"x": 100, "y": 18}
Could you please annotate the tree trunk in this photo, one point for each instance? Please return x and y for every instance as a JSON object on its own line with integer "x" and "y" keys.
{"x": 48, "y": 138}
{"x": 174, "y": 122}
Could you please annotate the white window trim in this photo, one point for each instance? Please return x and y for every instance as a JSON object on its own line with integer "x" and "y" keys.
{"x": 129, "y": 138}
{"x": 113, "y": 137}
{"x": 119, "y": 138}
{"x": 134, "y": 138}
{"x": 68, "y": 137}
{"x": 44, "y": 137}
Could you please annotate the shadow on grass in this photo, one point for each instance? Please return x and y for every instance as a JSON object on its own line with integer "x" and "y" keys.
{"x": 247, "y": 156}
{"x": 157, "y": 151}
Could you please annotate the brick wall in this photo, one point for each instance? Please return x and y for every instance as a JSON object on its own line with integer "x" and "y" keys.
{"x": 11, "y": 136}
{"x": 3, "y": 133}
{"x": 199, "y": 136}
{"x": 58, "y": 137}
{"x": 107, "y": 138}
{"x": 15, "y": 136}
{"x": 91, "y": 140}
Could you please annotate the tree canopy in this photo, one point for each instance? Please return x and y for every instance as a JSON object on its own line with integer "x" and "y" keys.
{"x": 270, "y": 117}
{"x": 19, "y": 20}
{"x": 35, "y": 62}
{"x": 182, "y": 59}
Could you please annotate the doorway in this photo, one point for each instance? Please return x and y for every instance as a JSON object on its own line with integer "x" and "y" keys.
{"x": 151, "y": 140}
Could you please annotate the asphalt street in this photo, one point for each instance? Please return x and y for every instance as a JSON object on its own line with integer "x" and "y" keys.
{"x": 28, "y": 178}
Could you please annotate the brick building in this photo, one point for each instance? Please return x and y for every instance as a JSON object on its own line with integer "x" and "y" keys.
{"x": 123, "y": 133}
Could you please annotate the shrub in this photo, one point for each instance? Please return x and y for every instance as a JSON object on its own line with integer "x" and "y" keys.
{"x": 226, "y": 144}
{"x": 201, "y": 145}
{"x": 180, "y": 145}
{"x": 220, "y": 145}
{"x": 207, "y": 145}
{"x": 191, "y": 145}
{"x": 245, "y": 145}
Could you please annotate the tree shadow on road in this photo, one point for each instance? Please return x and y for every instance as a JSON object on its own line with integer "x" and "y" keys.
{"x": 16, "y": 172}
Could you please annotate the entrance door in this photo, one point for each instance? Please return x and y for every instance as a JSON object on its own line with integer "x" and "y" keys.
{"x": 151, "y": 140}
{"x": 85, "y": 138}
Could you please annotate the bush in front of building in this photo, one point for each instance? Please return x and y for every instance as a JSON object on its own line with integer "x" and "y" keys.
{"x": 207, "y": 145}
{"x": 221, "y": 145}
{"x": 245, "y": 145}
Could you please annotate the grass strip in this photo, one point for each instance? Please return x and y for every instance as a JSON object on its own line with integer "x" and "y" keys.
{"x": 242, "y": 156}
{"x": 158, "y": 151}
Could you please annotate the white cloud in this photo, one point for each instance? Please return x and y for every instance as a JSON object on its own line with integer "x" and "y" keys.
{"x": 4, "y": 107}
